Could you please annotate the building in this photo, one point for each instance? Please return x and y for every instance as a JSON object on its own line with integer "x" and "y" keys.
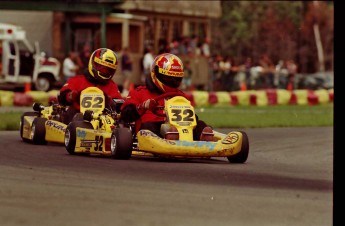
{"x": 70, "y": 24}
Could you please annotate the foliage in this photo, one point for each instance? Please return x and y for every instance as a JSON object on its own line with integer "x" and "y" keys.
{"x": 281, "y": 29}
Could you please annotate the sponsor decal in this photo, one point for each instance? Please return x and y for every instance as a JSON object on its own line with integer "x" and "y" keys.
{"x": 179, "y": 106}
{"x": 55, "y": 125}
{"x": 185, "y": 131}
{"x": 85, "y": 144}
{"x": 196, "y": 144}
{"x": 184, "y": 123}
{"x": 81, "y": 134}
{"x": 231, "y": 138}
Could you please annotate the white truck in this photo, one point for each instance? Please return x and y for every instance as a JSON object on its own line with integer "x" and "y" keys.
{"x": 21, "y": 64}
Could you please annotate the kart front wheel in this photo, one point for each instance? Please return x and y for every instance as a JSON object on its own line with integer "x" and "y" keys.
{"x": 121, "y": 143}
{"x": 38, "y": 131}
{"x": 36, "y": 114}
{"x": 241, "y": 157}
{"x": 71, "y": 134}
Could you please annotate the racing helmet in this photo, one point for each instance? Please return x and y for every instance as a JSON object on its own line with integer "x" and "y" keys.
{"x": 102, "y": 65}
{"x": 167, "y": 72}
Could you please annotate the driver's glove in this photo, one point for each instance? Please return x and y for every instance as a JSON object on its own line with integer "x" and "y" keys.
{"x": 149, "y": 104}
{"x": 72, "y": 96}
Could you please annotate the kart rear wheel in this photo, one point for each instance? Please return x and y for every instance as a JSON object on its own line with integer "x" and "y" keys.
{"x": 71, "y": 134}
{"x": 121, "y": 143}
{"x": 22, "y": 123}
{"x": 241, "y": 157}
{"x": 38, "y": 131}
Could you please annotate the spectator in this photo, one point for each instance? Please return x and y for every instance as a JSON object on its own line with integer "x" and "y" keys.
{"x": 187, "y": 78}
{"x": 267, "y": 75}
{"x": 292, "y": 70}
{"x": 248, "y": 64}
{"x": 126, "y": 66}
{"x": 281, "y": 78}
{"x": 226, "y": 78}
{"x": 206, "y": 48}
{"x": 85, "y": 56}
{"x": 147, "y": 62}
{"x": 70, "y": 66}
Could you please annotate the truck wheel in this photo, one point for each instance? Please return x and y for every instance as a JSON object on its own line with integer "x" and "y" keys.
{"x": 121, "y": 143}
{"x": 43, "y": 83}
{"x": 241, "y": 156}
{"x": 71, "y": 134}
{"x": 38, "y": 131}
{"x": 22, "y": 124}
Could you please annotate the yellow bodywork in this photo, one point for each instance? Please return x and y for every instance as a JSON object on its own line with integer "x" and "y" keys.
{"x": 97, "y": 140}
{"x": 180, "y": 113}
{"x": 224, "y": 145}
{"x": 55, "y": 131}
{"x": 92, "y": 141}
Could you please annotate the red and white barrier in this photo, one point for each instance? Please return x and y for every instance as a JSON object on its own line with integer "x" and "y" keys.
{"x": 200, "y": 98}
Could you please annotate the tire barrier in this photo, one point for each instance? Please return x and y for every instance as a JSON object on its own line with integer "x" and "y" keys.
{"x": 262, "y": 97}
{"x": 199, "y": 98}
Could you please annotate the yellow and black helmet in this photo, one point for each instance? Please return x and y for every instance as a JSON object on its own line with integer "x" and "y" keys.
{"x": 103, "y": 64}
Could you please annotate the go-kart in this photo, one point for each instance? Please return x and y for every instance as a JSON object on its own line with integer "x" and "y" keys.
{"x": 47, "y": 123}
{"x": 100, "y": 129}
{"x": 44, "y": 124}
{"x": 180, "y": 113}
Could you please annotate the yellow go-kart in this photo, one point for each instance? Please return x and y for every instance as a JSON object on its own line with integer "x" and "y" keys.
{"x": 180, "y": 113}
{"x": 44, "y": 124}
{"x": 100, "y": 129}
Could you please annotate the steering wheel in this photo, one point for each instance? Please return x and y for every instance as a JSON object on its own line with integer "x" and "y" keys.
{"x": 165, "y": 95}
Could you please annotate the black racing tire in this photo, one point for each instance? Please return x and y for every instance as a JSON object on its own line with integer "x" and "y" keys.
{"x": 39, "y": 131}
{"x": 121, "y": 143}
{"x": 71, "y": 134}
{"x": 22, "y": 124}
{"x": 242, "y": 156}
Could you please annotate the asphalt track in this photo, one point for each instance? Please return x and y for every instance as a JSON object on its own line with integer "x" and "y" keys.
{"x": 287, "y": 181}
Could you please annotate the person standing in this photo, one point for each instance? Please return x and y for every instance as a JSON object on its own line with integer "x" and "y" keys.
{"x": 147, "y": 62}
{"x": 85, "y": 56}
{"x": 126, "y": 66}
{"x": 70, "y": 66}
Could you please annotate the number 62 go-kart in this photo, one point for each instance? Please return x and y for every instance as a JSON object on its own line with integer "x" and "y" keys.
{"x": 180, "y": 113}
{"x": 93, "y": 134}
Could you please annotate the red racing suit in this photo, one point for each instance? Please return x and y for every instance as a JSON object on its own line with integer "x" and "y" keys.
{"x": 136, "y": 97}
{"x": 79, "y": 83}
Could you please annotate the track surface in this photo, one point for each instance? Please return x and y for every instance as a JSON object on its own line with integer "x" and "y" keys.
{"x": 287, "y": 180}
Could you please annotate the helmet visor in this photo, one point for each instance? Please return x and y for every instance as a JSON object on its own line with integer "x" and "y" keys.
{"x": 103, "y": 71}
{"x": 170, "y": 81}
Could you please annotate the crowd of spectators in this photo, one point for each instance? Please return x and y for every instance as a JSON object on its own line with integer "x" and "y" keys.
{"x": 228, "y": 73}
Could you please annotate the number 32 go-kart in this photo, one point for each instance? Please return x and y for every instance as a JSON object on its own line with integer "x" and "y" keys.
{"x": 180, "y": 113}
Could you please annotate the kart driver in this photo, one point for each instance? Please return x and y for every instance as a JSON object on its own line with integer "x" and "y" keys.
{"x": 102, "y": 67}
{"x": 165, "y": 76}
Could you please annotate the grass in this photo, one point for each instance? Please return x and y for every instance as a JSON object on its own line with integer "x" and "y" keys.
{"x": 239, "y": 116}
{"x": 267, "y": 116}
